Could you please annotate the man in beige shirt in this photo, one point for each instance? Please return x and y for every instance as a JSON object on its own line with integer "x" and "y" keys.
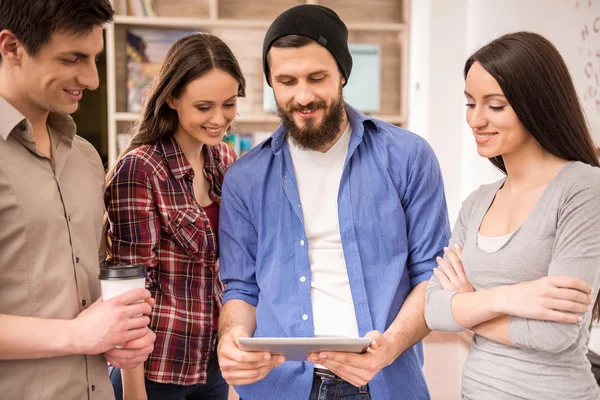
{"x": 55, "y": 335}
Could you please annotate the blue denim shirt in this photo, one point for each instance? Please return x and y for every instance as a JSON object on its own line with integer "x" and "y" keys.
{"x": 393, "y": 223}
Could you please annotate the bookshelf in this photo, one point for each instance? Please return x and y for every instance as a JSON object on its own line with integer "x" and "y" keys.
{"x": 242, "y": 25}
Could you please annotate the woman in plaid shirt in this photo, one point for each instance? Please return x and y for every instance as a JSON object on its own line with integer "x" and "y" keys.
{"x": 162, "y": 201}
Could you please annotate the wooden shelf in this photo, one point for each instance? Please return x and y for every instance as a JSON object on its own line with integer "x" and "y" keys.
{"x": 260, "y": 119}
{"x": 242, "y": 25}
{"x": 174, "y": 22}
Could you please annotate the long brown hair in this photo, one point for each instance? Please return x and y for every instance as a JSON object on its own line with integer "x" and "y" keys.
{"x": 537, "y": 84}
{"x": 188, "y": 58}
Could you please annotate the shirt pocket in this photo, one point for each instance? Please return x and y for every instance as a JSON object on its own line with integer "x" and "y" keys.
{"x": 187, "y": 231}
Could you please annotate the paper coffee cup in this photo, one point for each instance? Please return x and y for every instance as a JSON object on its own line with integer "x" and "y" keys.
{"x": 118, "y": 279}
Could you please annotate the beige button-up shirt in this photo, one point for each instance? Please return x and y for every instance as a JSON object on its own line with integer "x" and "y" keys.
{"x": 50, "y": 238}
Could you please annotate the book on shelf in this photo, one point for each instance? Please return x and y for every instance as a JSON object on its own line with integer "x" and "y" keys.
{"x": 145, "y": 50}
{"x": 137, "y": 8}
{"x": 242, "y": 142}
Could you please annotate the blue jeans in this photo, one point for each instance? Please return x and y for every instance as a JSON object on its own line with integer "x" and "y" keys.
{"x": 215, "y": 388}
{"x": 327, "y": 386}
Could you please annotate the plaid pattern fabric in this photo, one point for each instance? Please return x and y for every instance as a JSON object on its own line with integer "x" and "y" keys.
{"x": 155, "y": 221}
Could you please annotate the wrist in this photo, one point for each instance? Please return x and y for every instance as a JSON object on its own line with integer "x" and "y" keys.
{"x": 396, "y": 347}
{"x": 496, "y": 297}
{"x": 73, "y": 337}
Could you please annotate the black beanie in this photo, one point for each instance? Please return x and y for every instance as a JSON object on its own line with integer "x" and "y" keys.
{"x": 316, "y": 22}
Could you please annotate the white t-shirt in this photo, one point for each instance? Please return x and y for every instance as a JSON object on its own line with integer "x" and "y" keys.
{"x": 318, "y": 177}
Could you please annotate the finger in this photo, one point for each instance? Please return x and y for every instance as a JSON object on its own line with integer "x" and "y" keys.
{"x": 137, "y": 322}
{"x": 230, "y": 365}
{"x": 566, "y": 305}
{"x": 448, "y": 270}
{"x": 129, "y": 357}
{"x": 142, "y": 342}
{"x": 378, "y": 339}
{"x": 572, "y": 295}
{"x": 355, "y": 376}
{"x": 137, "y": 309}
{"x": 133, "y": 334}
{"x": 230, "y": 352}
{"x": 444, "y": 281}
{"x": 560, "y": 316}
{"x": 124, "y": 364}
{"x": 353, "y": 359}
{"x": 456, "y": 264}
{"x": 569, "y": 282}
{"x": 458, "y": 250}
{"x": 151, "y": 302}
{"x": 131, "y": 296}
{"x": 245, "y": 377}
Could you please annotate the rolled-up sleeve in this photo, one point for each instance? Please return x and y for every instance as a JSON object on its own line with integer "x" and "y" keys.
{"x": 238, "y": 245}
{"x": 426, "y": 212}
{"x": 576, "y": 253}
{"x": 438, "y": 301}
{"x": 134, "y": 224}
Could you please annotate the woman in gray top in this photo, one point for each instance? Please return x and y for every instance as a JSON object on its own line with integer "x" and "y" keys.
{"x": 524, "y": 268}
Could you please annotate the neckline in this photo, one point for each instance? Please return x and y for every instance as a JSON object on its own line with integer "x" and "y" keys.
{"x": 316, "y": 156}
{"x": 210, "y": 206}
{"x": 529, "y": 217}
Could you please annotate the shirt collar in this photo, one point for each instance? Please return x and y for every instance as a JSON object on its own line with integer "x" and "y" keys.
{"x": 11, "y": 121}
{"x": 178, "y": 163}
{"x": 356, "y": 119}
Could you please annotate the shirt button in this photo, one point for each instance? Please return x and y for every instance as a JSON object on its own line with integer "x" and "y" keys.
{"x": 83, "y": 302}
{"x": 77, "y": 260}
{"x": 93, "y": 388}
{"x": 302, "y": 243}
{"x": 305, "y": 317}
{"x": 303, "y": 279}
{"x": 69, "y": 218}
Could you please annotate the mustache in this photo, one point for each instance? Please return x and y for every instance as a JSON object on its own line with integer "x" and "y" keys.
{"x": 310, "y": 107}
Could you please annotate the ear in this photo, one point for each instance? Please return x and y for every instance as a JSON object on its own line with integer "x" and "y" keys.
{"x": 11, "y": 48}
{"x": 172, "y": 102}
{"x": 343, "y": 80}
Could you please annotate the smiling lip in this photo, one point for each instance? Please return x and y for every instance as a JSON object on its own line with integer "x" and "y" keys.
{"x": 75, "y": 95}
{"x": 214, "y": 132}
{"x": 483, "y": 137}
{"x": 307, "y": 115}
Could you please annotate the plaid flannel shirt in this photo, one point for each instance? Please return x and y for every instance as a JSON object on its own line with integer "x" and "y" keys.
{"x": 155, "y": 221}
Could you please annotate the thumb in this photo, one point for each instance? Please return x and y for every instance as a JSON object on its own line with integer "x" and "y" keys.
{"x": 377, "y": 339}
{"x": 238, "y": 332}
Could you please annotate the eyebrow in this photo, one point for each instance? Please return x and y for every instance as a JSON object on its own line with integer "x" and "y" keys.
{"x": 487, "y": 96}
{"x": 79, "y": 54}
{"x": 212, "y": 102}
{"x": 321, "y": 71}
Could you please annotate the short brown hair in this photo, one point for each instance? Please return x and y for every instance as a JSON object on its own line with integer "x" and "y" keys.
{"x": 34, "y": 21}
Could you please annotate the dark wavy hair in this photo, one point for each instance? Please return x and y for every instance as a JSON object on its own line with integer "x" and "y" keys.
{"x": 188, "y": 58}
{"x": 537, "y": 84}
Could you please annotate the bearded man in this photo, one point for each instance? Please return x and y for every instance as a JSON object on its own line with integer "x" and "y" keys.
{"x": 330, "y": 228}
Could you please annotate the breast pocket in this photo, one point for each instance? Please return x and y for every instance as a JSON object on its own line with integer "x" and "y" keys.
{"x": 185, "y": 227}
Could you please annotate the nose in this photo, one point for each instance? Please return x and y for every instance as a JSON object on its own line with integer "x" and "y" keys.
{"x": 88, "y": 77}
{"x": 218, "y": 117}
{"x": 476, "y": 118}
{"x": 304, "y": 95}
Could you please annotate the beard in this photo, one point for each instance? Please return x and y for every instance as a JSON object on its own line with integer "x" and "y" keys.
{"x": 312, "y": 136}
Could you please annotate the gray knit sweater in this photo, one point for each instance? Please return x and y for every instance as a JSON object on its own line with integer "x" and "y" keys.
{"x": 561, "y": 237}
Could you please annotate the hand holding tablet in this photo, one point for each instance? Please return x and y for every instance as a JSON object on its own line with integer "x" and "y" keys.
{"x": 298, "y": 349}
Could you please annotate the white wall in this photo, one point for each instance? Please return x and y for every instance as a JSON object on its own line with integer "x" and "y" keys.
{"x": 445, "y": 32}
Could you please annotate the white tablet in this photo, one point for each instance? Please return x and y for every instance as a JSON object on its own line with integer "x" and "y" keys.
{"x": 298, "y": 349}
